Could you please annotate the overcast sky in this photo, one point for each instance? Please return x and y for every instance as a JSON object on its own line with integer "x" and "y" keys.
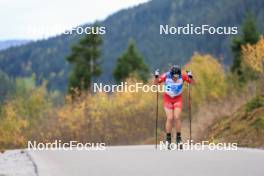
{"x": 35, "y": 19}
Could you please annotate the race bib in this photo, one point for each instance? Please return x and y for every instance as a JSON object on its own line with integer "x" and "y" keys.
{"x": 173, "y": 88}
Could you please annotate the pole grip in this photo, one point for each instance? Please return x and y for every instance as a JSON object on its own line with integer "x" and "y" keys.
{"x": 157, "y": 115}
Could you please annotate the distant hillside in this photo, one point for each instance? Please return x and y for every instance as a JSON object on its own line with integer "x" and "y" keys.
{"x": 9, "y": 43}
{"x": 246, "y": 126}
{"x": 46, "y": 58}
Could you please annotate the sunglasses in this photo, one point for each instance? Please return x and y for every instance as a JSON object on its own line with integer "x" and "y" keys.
{"x": 175, "y": 76}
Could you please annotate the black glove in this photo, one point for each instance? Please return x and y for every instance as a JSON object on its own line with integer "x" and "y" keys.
{"x": 157, "y": 73}
{"x": 189, "y": 73}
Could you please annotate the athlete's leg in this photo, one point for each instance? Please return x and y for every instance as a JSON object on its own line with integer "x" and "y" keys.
{"x": 168, "y": 107}
{"x": 169, "y": 121}
{"x": 169, "y": 124}
{"x": 177, "y": 118}
{"x": 177, "y": 106}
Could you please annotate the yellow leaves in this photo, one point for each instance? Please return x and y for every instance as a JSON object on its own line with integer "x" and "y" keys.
{"x": 11, "y": 127}
{"x": 21, "y": 117}
{"x": 254, "y": 55}
{"x": 209, "y": 76}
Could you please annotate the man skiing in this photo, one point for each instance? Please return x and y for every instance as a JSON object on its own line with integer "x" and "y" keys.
{"x": 172, "y": 99}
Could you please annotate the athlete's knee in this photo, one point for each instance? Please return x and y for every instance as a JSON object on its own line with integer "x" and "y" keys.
{"x": 177, "y": 117}
{"x": 170, "y": 119}
{"x": 177, "y": 114}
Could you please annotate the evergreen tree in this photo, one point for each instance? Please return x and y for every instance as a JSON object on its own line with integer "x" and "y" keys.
{"x": 250, "y": 36}
{"x": 131, "y": 63}
{"x": 85, "y": 60}
{"x": 7, "y": 86}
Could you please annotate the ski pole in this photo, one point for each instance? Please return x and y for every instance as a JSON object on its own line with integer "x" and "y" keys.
{"x": 190, "y": 110}
{"x": 157, "y": 116}
{"x": 157, "y": 111}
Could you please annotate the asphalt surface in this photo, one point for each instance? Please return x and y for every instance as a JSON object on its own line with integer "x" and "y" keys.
{"x": 146, "y": 161}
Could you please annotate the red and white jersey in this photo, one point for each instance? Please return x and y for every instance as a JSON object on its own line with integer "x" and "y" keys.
{"x": 173, "y": 88}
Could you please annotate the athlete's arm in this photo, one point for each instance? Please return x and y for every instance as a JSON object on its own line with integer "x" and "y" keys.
{"x": 187, "y": 78}
{"x": 160, "y": 79}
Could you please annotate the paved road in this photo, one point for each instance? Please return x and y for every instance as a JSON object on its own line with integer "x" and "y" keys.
{"x": 145, "y": 161}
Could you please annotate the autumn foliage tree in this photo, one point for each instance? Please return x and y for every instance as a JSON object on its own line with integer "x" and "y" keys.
{"x": 254, "y": 57}
{"x": 210, "y": 78}
{"x": 250, "y": 35}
